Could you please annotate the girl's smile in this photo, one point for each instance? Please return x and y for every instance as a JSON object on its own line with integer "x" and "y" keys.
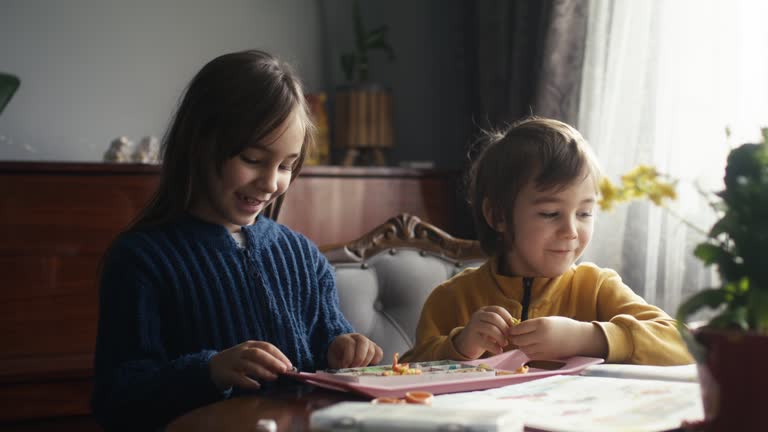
{"x": 249, "y": 205}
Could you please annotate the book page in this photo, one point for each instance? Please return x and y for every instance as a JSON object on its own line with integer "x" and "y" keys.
{"x": 685, "y": 373}
{"x": 573, "y": 403}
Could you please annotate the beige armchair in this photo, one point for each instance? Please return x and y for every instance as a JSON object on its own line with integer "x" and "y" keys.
{"x": 385, "y": 276}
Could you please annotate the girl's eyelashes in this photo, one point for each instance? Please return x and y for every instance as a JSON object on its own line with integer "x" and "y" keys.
{"x": 552, "y": 215}
{"x": 246, "y": 159}
{"x": 285, "y": 166}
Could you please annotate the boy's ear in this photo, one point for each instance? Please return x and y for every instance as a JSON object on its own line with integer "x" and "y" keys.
{"x": 488, "y": 214}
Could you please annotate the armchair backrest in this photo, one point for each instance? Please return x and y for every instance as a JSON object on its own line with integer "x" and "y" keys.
{"x": 384, "y": 277}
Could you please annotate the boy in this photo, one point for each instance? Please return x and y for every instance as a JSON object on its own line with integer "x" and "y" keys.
{"x": 533, "y": 192}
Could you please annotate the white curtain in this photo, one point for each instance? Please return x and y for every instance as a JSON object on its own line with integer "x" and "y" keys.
{"x": 661, "y": 82}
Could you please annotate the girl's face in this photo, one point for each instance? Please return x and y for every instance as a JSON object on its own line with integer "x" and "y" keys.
{"x": 549, "y": 230}
{"x": 252, "y": 179}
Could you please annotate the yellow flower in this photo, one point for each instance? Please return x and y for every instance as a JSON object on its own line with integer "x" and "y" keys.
{"x": 642, "y": 181}
{"x": 609, "y": 194}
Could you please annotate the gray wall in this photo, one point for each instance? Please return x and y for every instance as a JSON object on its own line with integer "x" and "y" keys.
{"x": 93, "y": 70}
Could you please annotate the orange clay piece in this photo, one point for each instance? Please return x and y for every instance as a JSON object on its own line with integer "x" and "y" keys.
{"x": 419, "y": 397}
{"x": 401, "y": 368}
{"x": 521, "y": 370}
{"x": 387, "y": 400}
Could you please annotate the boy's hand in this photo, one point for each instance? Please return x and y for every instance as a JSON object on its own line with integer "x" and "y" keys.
{"x": 353, "y": 350}
{"x": 244, "y": 364}
{"x": 485, "y": 331}
{"x": 558, "y": 337}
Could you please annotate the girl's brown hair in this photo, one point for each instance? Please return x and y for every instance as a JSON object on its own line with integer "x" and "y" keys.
{"x": 234, "y": 101}
{"x": 548, "y": 152}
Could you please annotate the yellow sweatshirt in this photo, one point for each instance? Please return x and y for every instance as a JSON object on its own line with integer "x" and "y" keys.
{"x": 636, "y": 332}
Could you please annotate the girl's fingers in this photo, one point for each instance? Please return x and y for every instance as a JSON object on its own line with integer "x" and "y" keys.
{"x": 347, "y": 353}
{"x": 275, "y": 352}
{"x": 361, "y": 351}
{"x": 378, "y": 354}
{"x": 369, "y": 355}
{"x": 246, "y": 382}
{"x": 264, "y": 359}
{"x": 259, "y": 371}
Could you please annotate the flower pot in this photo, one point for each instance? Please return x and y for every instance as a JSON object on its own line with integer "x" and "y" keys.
{"x": 734, "y": 380}
{"x": 363, "y": 122}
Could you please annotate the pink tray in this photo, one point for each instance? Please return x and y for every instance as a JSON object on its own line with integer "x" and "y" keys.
{"x": 508, "y": 361}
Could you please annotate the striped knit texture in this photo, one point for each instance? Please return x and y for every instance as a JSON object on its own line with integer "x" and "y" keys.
{"x": 173, "y": 296}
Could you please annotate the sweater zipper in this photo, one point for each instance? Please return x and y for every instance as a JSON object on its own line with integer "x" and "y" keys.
{"x": 527, "y": 285}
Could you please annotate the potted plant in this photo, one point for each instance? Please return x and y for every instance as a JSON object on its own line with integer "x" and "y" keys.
{"x": 731, "y": 347}
{"x": 363, "y": 110}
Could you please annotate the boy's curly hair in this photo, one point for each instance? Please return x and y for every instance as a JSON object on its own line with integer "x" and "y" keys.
{"x": 546, "y": 151}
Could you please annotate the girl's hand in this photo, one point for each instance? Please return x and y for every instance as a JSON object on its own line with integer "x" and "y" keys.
{"x": 558, "y": 337}
{"x": 353, "y": 350}
{"x": 485, "y": 331}
{"x": 244, "y": 364}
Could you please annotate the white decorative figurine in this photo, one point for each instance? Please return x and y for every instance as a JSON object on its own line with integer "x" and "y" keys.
{"x": 146, "y": 152}
{"x": 118, "y": 150}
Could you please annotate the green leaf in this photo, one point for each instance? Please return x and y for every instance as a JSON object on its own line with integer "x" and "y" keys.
{"x": 708, "y": 252}
{"x": 710, "y": 297}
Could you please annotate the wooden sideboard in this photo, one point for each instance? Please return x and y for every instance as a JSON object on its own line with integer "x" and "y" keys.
{"x": 57, "y": 219}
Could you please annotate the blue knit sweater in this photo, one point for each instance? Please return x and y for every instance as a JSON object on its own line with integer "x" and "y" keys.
{"x": 172, "y": 296}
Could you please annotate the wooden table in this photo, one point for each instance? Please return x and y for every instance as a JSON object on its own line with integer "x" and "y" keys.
{"x": 290, "y": 408}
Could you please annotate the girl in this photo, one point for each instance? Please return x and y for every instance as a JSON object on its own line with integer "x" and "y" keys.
{"x": 202, "y": 294}
{"x": 533, "y": 192}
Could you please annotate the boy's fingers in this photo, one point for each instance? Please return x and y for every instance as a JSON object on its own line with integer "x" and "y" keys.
{"x": 492, "y": 332}
{"x": 524, "y": 340}
{"x": 503, "y": 313}
{"x": 491, "y": 346}
{"x": 522, "y": 328}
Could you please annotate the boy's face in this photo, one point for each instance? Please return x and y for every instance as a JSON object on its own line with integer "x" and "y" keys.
{"x": 252, "y": 179}
{"x": 550, "y": 229}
